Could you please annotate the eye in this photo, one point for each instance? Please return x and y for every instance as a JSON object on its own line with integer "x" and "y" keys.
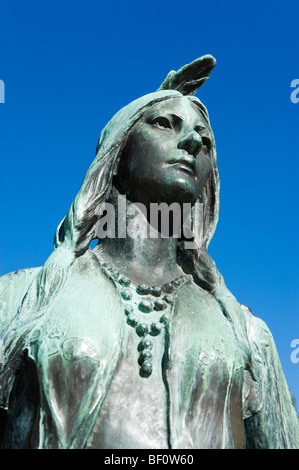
{"x": 161, "y": 122}
{"x": 206, "y": 145}
{"x": 199, "y": 129}
{"x": 206, "y": 141}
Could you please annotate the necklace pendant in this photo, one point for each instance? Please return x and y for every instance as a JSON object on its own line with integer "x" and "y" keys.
{"x": 138, "y": 311}
{"x": 146, "y": 369}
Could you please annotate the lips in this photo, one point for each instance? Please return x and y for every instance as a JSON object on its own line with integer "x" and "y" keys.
{"x": 187, "y": 163}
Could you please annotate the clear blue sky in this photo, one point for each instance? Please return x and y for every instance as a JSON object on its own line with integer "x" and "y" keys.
{"x": 68, "y": 66}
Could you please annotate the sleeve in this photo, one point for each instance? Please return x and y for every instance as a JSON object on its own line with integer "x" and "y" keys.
{"x": 273, "y": 422}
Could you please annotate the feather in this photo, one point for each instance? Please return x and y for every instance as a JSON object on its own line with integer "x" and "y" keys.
{"x": 190, "y": 77}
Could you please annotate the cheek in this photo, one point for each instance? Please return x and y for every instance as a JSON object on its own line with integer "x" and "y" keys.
{"x": 204, "y": 170}
{"x": 147, "y": 154}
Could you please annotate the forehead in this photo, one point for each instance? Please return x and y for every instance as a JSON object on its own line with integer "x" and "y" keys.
{"x": 181, "y": 107}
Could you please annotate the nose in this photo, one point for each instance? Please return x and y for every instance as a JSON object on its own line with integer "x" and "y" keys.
{"x": 191, "y": 142}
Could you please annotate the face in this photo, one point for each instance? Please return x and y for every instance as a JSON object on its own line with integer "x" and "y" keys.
{"x": 166, "y": 157}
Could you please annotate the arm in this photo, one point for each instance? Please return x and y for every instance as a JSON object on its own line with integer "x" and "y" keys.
{"x": 13, "y": 287}
{"x": 273, "y": 424}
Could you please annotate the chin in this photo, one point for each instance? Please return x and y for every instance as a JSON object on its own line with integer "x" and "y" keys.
{"x": 182, "y": 191}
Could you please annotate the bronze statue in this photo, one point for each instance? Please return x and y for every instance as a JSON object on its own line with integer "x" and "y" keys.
{"x": 137, "y": 343}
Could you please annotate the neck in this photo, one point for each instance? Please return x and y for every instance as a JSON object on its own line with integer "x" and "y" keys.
{"x": 136, "y": 248}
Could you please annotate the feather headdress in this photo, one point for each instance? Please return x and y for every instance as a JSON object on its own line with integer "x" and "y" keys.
{"x": 190, "y": 77}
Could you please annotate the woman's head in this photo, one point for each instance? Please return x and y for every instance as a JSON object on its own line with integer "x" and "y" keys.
{"x": 166, "y": 156}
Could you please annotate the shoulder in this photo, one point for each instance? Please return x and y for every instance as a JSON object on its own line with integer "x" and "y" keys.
{"x": 258, "y": 331}
{"x": 13, "y": 287}
{"x": 17, "y": 277}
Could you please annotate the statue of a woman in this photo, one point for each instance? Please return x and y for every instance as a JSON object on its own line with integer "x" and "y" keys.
{"x": 137, "y": 343}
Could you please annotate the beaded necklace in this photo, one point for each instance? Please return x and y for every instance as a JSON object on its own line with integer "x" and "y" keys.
{"x": 148, "y": 310}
